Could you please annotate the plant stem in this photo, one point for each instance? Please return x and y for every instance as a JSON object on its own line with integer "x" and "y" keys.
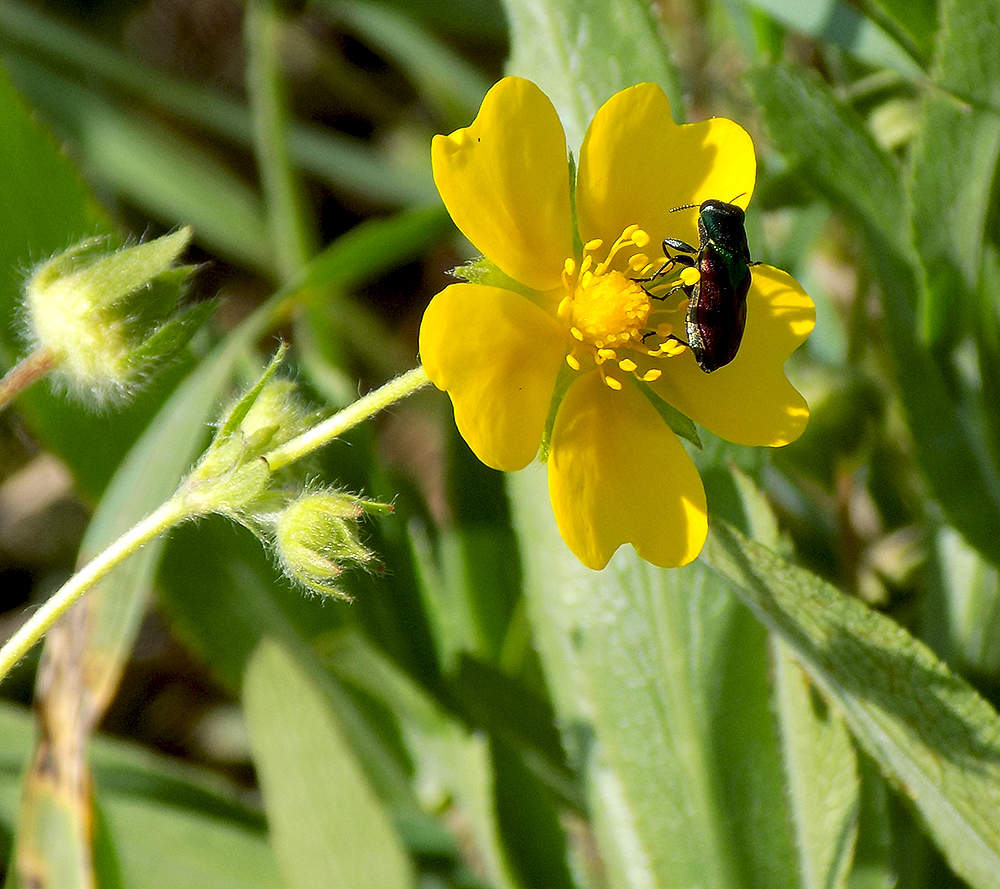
{"x": 24, "y": 373}
{"x": 162, "y": 519}
{"x": 179, "y": 507}
{"x": 346, "y": 419}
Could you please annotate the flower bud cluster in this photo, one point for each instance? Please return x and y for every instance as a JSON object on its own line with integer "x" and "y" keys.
{"x": 233, "y": 477}
{"x": 312, "y": 532}
{"x": 106, "y": 316}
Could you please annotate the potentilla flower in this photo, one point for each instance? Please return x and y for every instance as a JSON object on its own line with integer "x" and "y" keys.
{"x": 559, "y": 337}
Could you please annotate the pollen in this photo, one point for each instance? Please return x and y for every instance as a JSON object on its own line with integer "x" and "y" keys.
{"x": 608, "y": 312}
{"x": 690, "y": 276}
{"x": 609, "y": 308}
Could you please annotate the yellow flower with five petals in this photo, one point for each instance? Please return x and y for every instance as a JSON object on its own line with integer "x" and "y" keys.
{"x": 566, "y": 344}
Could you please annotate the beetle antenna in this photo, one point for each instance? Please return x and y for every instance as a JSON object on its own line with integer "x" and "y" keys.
{"x": 683, "y": 207}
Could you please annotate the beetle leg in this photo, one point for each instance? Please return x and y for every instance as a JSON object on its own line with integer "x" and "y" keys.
{"x": 682, "y": 246}
{"x": 672, "y": 290}
{"x": 667, "y": 267}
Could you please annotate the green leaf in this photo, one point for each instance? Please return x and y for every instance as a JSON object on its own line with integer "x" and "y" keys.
{"x": 107, "y": 871}
{"x": 913, "y": 22}
{"x": 834, "y": 153}
{"x": 371, "y": 248}
{"x": 832, "y": 148}
{"x": 520, "y": 842}
{"x": 440, "y": 75}
{"x": 533, "y": 837}
{"x": 876, "y": 863}
{"x": 514, "y": 714}
{"x": 785, "y": 759}
{"x": 334, "y": 330}
{"x": 928, "y": 730}
{"x": 171, "y": 826}
{"x": 223, "y": 596}
{"x": 581, "y": 53}
{"x": 681, "y": 425}
{"x": 109, "y": 618}
{"x": 164, "y": 174}
{"x": 822, "y": 777}
{"x": 345, "y": 163}
{"x": 159, "y": 847}
{"x": 954, "y": 158}
{"x": 146, "y": 478}
{"x": 327, "y": 826}
{"x": 840, "y": 23}
{"x": 44, "y": 208}
{"x": 632, "y": 657}
{"x": 744, "y": 741}
{"x": 964, "y": 600}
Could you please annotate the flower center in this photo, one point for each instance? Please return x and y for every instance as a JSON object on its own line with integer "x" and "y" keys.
{"x": 610, "y": 315}
{"x": 609, "y": 309}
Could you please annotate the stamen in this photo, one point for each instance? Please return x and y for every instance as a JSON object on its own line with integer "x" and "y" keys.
{"x": 569, "y": 269}
{"x": 610, "y": 315}
{"x": 632, "y": 235}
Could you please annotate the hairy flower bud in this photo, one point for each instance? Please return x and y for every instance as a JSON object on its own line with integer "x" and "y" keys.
{"x": 106, "y": 316}
{"x": 315, "y": 539}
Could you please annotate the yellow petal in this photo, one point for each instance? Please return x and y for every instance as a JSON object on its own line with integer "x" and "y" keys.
{"x": 750, "y": 401}
{"x": 617, "y": 474}
{"x": 505, "y": 182}
{"x": 497, "y": 355}
{"x": 636, "y": 164}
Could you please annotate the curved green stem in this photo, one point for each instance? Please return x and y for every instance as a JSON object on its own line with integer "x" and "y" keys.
{"x": 171, "y": 513}
{"x": 346, "y": 419}
{"x": 180, "y": 507}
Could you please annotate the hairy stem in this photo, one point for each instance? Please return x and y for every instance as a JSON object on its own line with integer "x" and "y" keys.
{"x": 171, "y": 513}
{"x": 346, "y": 419}
{"x": 24, "y": 373}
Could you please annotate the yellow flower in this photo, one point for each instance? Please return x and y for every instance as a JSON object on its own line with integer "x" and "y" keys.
{"x": 571, "y": 345}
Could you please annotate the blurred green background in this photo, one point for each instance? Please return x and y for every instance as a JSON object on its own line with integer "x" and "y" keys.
{"x": 294, "y": 139}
